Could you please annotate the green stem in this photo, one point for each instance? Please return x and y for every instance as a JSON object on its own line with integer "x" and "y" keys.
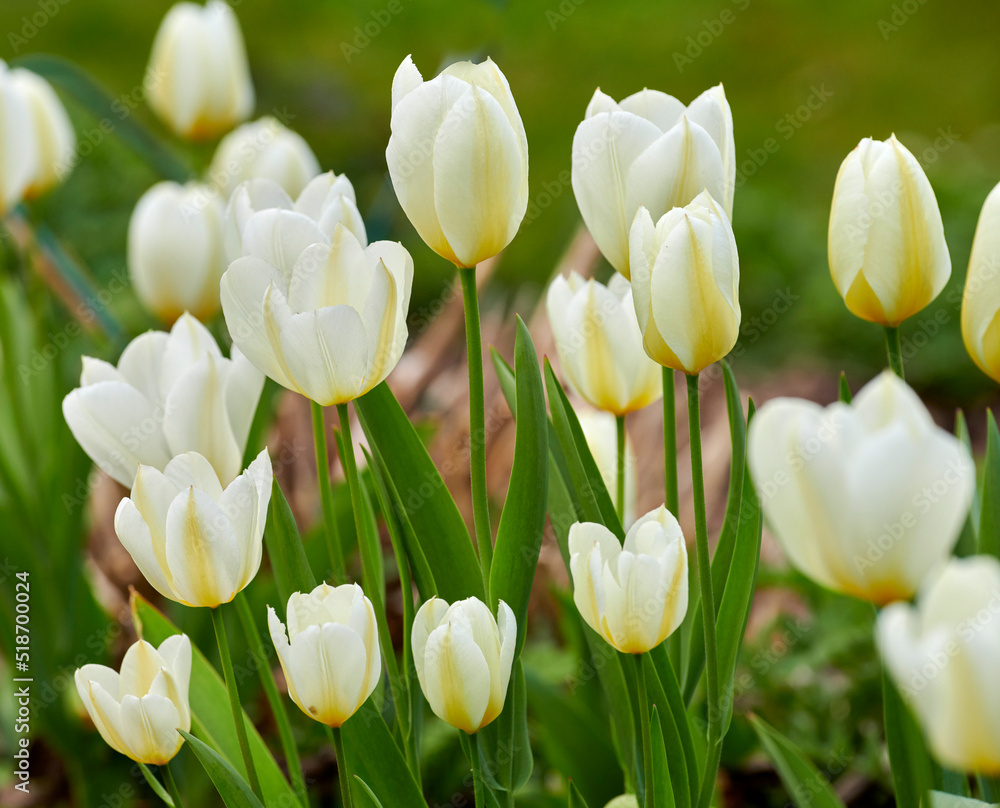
{"x": 175, "y": 793}
{"x": 288, "y": 747}
{"x": 672, "y": 498}
{"x": 707, "y": 596}
{"x": 647, "y": 744}
{"x": 893, "y": 349}
{"x": 333, "y": 545}
{"x": 477, "y": 424}
{"x": 620, "y": 479}
{"x": 234, "y": 700}
{"x": 342, "y": 774}
{"x": 477, "y": 772}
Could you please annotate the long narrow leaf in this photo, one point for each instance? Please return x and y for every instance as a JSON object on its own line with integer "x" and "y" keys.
{"x": 231, "y": 786}
{"x": 805, "y": 784}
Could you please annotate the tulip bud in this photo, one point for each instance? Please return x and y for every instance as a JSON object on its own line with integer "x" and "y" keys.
{"x": 624, "y": 801}
{"x": 198, "y": 80}
{"x": 944, "y": 654}
{"x": 600, "y": 345}
{"x": 865, "y": 499}
{"x": 170, "y": 393}
{"x": 330, "y": 654}
{"x": 601, "y": 434}
{"x": 195, "y": 542}
{"x": 633, "y": 596}
{"x": 55, "y": 140}
{"x": 649, "y": 151}
{"x": 458, "y": 159}
{"x": 266, "y": 149}
{"x": 887, "y": 252}
{"x": 685, "y": 284}
{"x": 463, "y": 659}
{"x": 175, "y": 250}
{"x": 981, "y": 299}
{"x": 139, "y": 710}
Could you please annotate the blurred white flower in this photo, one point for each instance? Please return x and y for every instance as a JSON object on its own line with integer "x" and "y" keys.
{"x": 601, "y": 432}
{"x": 264, "y": 148}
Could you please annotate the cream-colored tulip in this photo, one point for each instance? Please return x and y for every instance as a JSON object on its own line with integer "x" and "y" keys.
{"x": 266, "y": 149}
{"x": 601, "y": 434}
{"x": 458, "y": 159}
{"x": 887, "y": 252}
{"x": 865, "y": 499}
{"x": 686, "y": 284}
{"x": 139, "y": 710}
{"x": 170, "y": 393}
{"x": 651, "y": 151}
{"x": 600, "y": 345}
{"x": 330, "y": 653}
{"x": 944, "y": 654}
{"x": 624, "y": 801}
{"x": 193, "y": 540}
{"x": 198, "y": 80}
{"x": 175, "y": 250}
{"x": 981, "y": 299}
{"x": 55, "y": 141}
{"x": 633, "y": 596}
{"x": 463, "y": 658}
{"x": 18, "y": 145}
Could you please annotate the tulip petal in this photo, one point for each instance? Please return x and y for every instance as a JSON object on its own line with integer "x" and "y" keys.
{"x": 427, "y": 618}
{"x": 406, "y": 79}
{"x": 456, "y": 677}
{"x": 203, "y": 553}
{"x": 244, "y": 384}
{"x": 106, "y": 713}
{"x": 328, "y": 665}
{"x": 327, "y": 353}
{"x": 141, "y": 364}
{"x": 149, "y": 728}
{"x": 655, "y": 106}
{"x": 331, "y": 275}
{"x": 192, "y": 469}
{"x": 148, "y": 553}
{"x": 279, "y": 237}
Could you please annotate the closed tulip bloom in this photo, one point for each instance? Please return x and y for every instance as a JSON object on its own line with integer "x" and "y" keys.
{"x": 600, "y": 345}
{"x": 198, "y": 80}
{"x": 193, "y": 540}
{"x": 18, "y": 145}
{"x": 887, "y": 252}
{"x": 175, "y": 250}
{"x": 686, "y": 284}
{"x": 866, "y": 498}
{"x": 633, "y": 596}
{"x": 139, "y": 709}
{"x": 944, "y": 654}
{"x": 601, "y": 434}
{"x": 55, "y": 140}
{"x": 651, "y": 151}
{"x": 170, "y": 393}
{"x": 981, "y": 299}
{"x": 330, "y": 653}
{"x": 458, "y": 159}
{"x": 264, "y": 148}
{"x": 463, "y": 658}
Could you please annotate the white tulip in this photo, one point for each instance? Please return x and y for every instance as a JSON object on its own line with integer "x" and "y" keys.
{"x": 170, "y": 393}
{"x": 55, "y": 140}
{"x": 330, "y": 654}
{"x": 139, "y": 710}
{"x": 264, "y": 148}
{"x": 981, "y": 298}
{"x": 463, "y": 658}
{"x": 651, "y": 151}
{"x": 601, "y": 433}
{"x": 633, "y": 596}
{"x": 458, "y": 159}
{"x": 198, "y": 80}
{"x": 865, "y": 499}
{"x": 944, "y": 654}
{"x": 193, "y": 540}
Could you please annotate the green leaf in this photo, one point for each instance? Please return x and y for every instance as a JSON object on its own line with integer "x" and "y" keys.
{"x": 663, "y": 792}
{"x": 375, "y": 758}
{"x": 676, "y": 752}
{"x": 289, "y": 564}
{"x": 912, "y": 774}
{"x": 436, "y": 520}
{"x": 989, "y": 514}
{"x": 676, "y": 720}
{"x": 231, "y": 786}
{"x": 504, "y": 745}
{"x": 940, "y": 799}
{"x": 576, "y": 799}
{"x": 156, "y": 785}
{"x": 368, "y": 792}
{"x": 844, "y": 389}
{"x": 805, "y": 784}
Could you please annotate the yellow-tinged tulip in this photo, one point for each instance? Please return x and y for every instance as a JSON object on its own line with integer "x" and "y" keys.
{"x": 600, "y": 345}
{"x": 649, "y": 150}
{"x": 624, "y": 801}
{"x": 170, "y": 393}
{"x": 463, "y": 658}
{"x": 264, "y": 148}
{"x": 198, "y": 80}
{"x": 633, "y": 596}
{"x": 195, "y": 542}
{"x": 981, "y": 299}
{"x": 55, "y": 140}
{"x": 686, "y": 284}
{"x": 865, "y": 498}
{"x": 330, "y": 653}
{"x": 139, "y": 710}
{"x": 175, "y": 250}
{"x": 887, "y": 252}
{"x": 944, "y": 654}
{"x": 601, "y": 434}
{"x": 458, "y": 159}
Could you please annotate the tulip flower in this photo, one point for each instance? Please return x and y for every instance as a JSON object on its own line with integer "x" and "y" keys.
{"x": 330, "y": 654}
{"x": 458, "y": 159}
{"x": 685, "y": 284}
{"x": 651, "y": 151}
{"x": 633, "y": 596}
{"x": 139, "y": 710}
{"x": 170, "y": 393}
{"x": 602, "y": 440}
{"x": 264, "y": 148}
{"x": 600, "y": 345}
{"x": 981, "y": 299}
{"x": 198, "y": 80}
{"x": 944, "y": 654}
{"x": 887, "y": 252}
{"x": 175, "y": 250}
{"x": 463, "y": 659}
{"x": 865, "y": 499}
{"x": 193, "y": 540}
